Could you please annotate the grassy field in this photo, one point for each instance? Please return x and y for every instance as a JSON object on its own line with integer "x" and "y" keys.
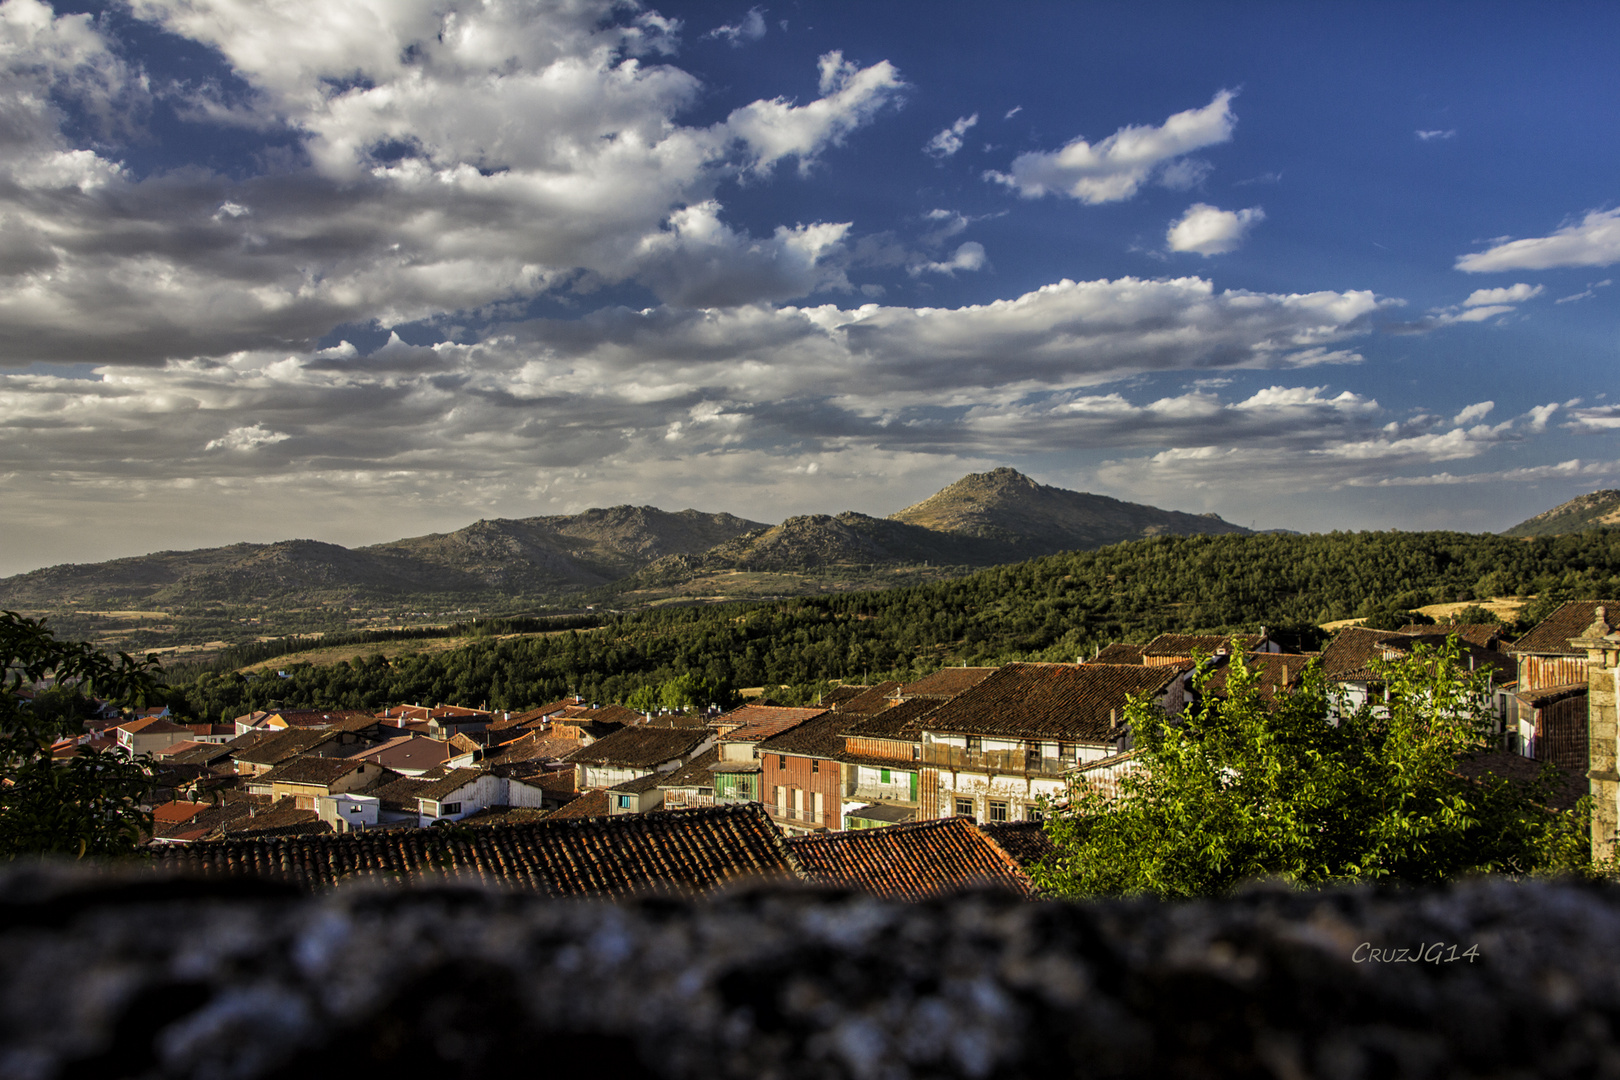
{"x": 331, "y": 654}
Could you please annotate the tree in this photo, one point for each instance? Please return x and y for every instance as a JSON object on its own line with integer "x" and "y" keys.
{"x": 1245, "y": 788}
{"x": 89, "y": 805}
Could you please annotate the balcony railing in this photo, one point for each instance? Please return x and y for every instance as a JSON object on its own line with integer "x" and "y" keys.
{"x": 791, "y": 813}
{"x": 1021, "y": 762}
{"x": 891, "y": 793}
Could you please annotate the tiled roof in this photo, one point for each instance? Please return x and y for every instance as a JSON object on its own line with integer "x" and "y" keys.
{"x": 946, "y": 682}
{"x": 1552, "y": 634}
{"x": 1354, "y": 647}
{"x": 1548, "y": 694}
{"x": 282, "y": 818}
{"x": 172, "y": 813}
{"x": 896, "y": 722}
{"x": 1568, "y": 784}
{"x": 1208, "y": 644}
{"x": 153, "y": 725}
{"x": 756, "y": 722}
{"x": 592, "y": 804}
{"x": 638, "y": 784}
{"x": 1275, "y": 670}
{"x": 695, "y": 773}
{"x": 1065, "y": 702}
{"x": 690, "y": 852}
{"x": 412, "y": 752}
{"x": 910, "y": 862}
{"x": 400, "y": 794}
{"x": 282, "y": 746}
{"x": 1481, "y": 634}
{"x": 873, "y": 699}
{"x": 311, "y": 770}
{"x": 640, "y": 747}
{"x": 1475, "y": 656}
{"x": 821, "y": 737}
{"x": 1025, "y": 841}
{"x": 446, "y": 785}
{"x": 839, "y": 694}
{"x": 1118, "y": 653}
{"x": 677, "y": 720}
{"x": 531, "y": 747}
{"x": 326, "y": 718}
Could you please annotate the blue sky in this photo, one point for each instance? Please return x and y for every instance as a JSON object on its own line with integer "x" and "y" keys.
{"x": 356, "y": 269}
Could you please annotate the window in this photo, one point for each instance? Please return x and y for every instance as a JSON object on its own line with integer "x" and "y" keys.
{"x": 1066, "y": 751}
{"x": 964, "y": 807}
{"x": 815, "y": 765}
{"x": 1033, "y": 813}
{"x": 449, "y": 808}
{"x": 624, "y": 802}
{"x": 998, "y": 811}
{"x": 883, "y": 776}
{"x": 974, "y": 744}
{"x": 781, "y": 761}
{"x": 916, "y": 753}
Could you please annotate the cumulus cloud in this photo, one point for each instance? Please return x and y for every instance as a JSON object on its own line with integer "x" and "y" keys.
{"x": 1592, "y": 241}
{"x": 1473, "y": 413}
{"x": 1511, "y": 294}
{"x": 751, "y": 27}
{"x": 1208, "y": 230}
{"x": 969, "y": 256}
{"x": 949, "y": 141}
{"x": 247, "y": 438}
{"x": 458, "y": 156}
{"x": 1116, "y": 168}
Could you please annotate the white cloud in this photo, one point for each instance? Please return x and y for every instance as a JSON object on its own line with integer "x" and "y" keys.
{"x": 949, "y": 141}
{"x": 247, "y": 438}
{"x": 1511, "y": 294}
{"x": 699, "y": 261}
{"x": 1430, "y": 136}
{"x": 751, "y": 27}
{"x": 1596, "y": 418}
{"x": 1012, "y": 112}
{"x": 1586, "y": 293}
{"x": 851, "y": 96}
{"x": 1475, "y": 412}
{"x": 1593, "y": 241}
{"x": 1115, "y": 168}
{"x": 1208, "y": 230}
{"x": 969, "y": 256}
{"x": 1574, "y": 468}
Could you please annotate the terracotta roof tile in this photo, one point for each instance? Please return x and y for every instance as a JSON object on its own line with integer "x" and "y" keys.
{"x": 1208, "y": 644}
{"x": 872, "y": 699}
{"x": 756, "y": 722}
{"x": 1551, "y": 635}
{"x": 310, "y": 770}
{"x": 695, "y": 773}
{"x": 1025, "y": 841}
{"x": 690, "y": 852}
{"x": 900, "y": 721}
{"x": 1118, "y": 653}
{"x": 1481, "y": 634}
{"x": 910, "y": 862}
{"x": 839, "y": 694}
{"x": 1065, "y": 702}
{"x": 821, "y": 737}
{"x": 592, "y": 804}
{"x": 640, "y": 747}
{"x": 282, "y": 746}
{"x": 1275, "y": 670}
{"x": 946, "y": 682}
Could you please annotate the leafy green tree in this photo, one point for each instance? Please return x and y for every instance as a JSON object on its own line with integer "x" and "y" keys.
{"x": 89, "y": 805}
{"x": 1244, "y": 788}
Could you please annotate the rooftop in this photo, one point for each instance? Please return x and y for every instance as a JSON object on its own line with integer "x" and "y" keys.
{"x": 946, "y": 682}
{"x": 1064, "y": 702}
{"x": 640, "y": 747}
{"x": 910, "y": 862}
{"x": 821, "y": 737}
{"x": 756, "y": 722}
{"x": 1551, "y": 635}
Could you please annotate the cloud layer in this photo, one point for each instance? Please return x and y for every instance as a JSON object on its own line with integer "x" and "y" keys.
{"x": 1592, "y": 241}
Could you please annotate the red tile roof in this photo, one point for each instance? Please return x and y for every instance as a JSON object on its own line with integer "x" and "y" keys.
{"x": 872, "y": 699}
{"x": 910, "y": 862}
{"x": 1274, "y": 670}
{"x": 821, "y": 737}
{"x": 1064, "y": 702}
{"x": 1025, "y": 841}
{"x": 756, "y": 722}
{"x": 640, "y": 747}
{"x": 690, "y": 852}
{"x": 592, "y": 804}
{"x": 1118, "y": 653}
{"x": 946, "y": 682}
{"x": 1551, "y": 635}
{"x": 1208, "y": 644}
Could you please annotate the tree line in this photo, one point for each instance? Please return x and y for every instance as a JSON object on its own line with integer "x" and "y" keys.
{"x": 1054, "y": 608}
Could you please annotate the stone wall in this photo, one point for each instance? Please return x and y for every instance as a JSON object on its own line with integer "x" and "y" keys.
{"x": 104, "y": 976}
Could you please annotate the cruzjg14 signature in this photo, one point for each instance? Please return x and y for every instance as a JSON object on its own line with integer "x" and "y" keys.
{"x": 1437, "y": 952}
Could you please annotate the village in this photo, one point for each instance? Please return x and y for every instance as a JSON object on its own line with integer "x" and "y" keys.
{"x": 905, "y": 790}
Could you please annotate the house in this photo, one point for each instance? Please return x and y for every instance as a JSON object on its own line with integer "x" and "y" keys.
{"x": 737, "y": 772}
{"x": 148, "y": 735}
{"x": 453, "y": 794}
{"x": 1274, "y": 673}
{"x": 1350, "y": 665}
{"x": 1025, "y": 841}
{"x": 801, "y": 777}
{"x": 213, "y": 733}
{"x": 1485, "y": 635}
{"x": 259, "y": 752}
{"x": 303, "y": 778}
{"x": 638, "y": 795}
{"x": 869, "y": 700}
{"x": 413, "y": 755}
{"x": 1601, "y": 646}
{"x": 348, "y": 812}
{"x": 685, "y": 853}
{"x": 1548, "y": 709}
{"x": 882, "y": 764}
{"x": 994, "y": 752}
{"x": 689, "y": 786}
{"x": 632, "y": 752}
{"x": 910, "y": 862}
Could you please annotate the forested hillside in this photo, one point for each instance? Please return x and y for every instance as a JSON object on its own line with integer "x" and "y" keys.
{"x": 1050, "y": 608}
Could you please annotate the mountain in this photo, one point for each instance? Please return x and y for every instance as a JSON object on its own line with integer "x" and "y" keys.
{"x": 1025, "y": 519}
{"x": 531, "y": 556}
{"x": 1599, "y": 509}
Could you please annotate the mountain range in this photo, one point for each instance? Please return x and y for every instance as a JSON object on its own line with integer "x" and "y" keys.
{"x": 635, "y": 552}
{"x": 1596, "y": 510}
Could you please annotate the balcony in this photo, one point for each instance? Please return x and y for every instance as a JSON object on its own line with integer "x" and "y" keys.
{"x": 793, "y": 815}
{"x": 886, "y": 793}
{"x": 1003, "y": 762}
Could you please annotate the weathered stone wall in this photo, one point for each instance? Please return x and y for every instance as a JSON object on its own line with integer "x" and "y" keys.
{"x": 144, "y": 977}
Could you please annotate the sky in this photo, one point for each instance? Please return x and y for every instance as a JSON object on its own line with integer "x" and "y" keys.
{"x": 355, "y": 270}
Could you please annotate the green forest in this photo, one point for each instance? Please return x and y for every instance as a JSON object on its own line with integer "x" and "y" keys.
{"x": 1053, "y": 608}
